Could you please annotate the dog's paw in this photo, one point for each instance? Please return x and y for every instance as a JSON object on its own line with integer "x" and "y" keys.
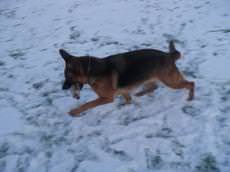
{"x": 73, "y": 113}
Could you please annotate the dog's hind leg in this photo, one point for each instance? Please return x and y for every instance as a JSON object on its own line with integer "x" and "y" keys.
{"x": 183, "y": 84}
{"x": 89, "y": 105}
{"x": 127, "y": 97}
{"x": 176, "y": 81}
{"x": 148, "y": 87}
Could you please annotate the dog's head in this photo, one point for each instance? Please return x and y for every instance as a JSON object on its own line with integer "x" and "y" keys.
{"x": 73, "y": 72}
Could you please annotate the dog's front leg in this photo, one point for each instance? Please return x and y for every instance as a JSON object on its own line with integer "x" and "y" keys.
{"x": 89, "y": 105}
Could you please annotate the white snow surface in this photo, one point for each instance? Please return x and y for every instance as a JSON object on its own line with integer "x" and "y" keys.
{"x": 157, "y": 132}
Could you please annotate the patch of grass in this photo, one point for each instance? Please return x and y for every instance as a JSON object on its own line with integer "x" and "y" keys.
{"x": 75, "y": 35}
{"x": 17, "y": 53}
{"x": 2, "y": 63}
{"x": 2, "y": 165}
{"x": 221, "y": 30}
{"x": 38, "y": 85}
{"x": 207, "y": 164}
{"x": 8, "y": 13}
{"x": 4, "y": 149}
{"x": 153, "y": 161}
{"x": 190, "y": 110}
{"x": 164, "y": 132}
{"x": 190, "y": 72}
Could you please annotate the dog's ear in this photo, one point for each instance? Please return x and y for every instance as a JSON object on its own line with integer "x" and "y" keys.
{"x": 172, "y": 47}
{"x": 66, "y": 56}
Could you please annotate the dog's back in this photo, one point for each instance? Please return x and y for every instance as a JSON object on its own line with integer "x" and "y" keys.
{"x": 140, "y": 65}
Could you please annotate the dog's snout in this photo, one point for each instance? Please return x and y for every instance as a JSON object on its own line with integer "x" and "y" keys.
{"x": 75, "y": 91}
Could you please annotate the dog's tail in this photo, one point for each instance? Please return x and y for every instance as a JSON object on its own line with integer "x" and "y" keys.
{"x": 175, "y": 54}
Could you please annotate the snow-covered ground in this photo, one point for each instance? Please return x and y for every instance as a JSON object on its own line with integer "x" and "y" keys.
{"x": 158, "y": 132}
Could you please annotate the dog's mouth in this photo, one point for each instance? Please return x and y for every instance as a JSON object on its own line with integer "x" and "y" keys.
{"x": 75, "y": 88}
{"x": 75, "y": 94}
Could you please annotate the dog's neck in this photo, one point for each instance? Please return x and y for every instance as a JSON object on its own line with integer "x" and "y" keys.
{"x": 90, "y": 80}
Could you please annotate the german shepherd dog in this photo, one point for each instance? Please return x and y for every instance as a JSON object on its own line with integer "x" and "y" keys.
{"x": 119, "y": 74}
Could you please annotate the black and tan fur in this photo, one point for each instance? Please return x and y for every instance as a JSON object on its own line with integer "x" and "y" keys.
{"x": 121, "y": 73}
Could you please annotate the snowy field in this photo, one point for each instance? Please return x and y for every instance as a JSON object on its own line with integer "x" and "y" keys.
{"x": 159, "y": 132}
